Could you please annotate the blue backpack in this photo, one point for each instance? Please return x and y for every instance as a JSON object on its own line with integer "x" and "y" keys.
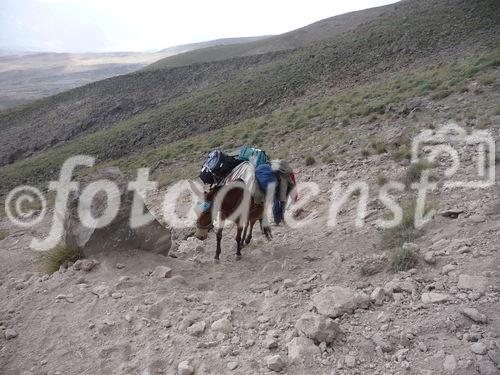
{"x": 265, "y": 176}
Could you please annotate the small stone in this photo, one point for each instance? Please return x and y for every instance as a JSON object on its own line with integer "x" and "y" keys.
{"x": 317, "y": 327}
{"x": 116, "y": 295}
{"x": 232, "y": 365}
{"x": 10, "y": 334}
{"x": 378, "y": 296}
{"x": 474, "y": 315}
{"x": 287, "y": 283}
{"x": 433, "y": 297}
{"x": 270, "y": 343}
{"x": 162, "y": 272}
{"x": 197, "y": 328}
{"x": 494, "y": 355}
{"x": 479, "y": 348}
{"x": 302, "y": 348}
{"x": 429, "y": 257}
{"x": 476, "y": 283}
{"x": 450, "y": 363}
{"x": 448, "y": 268}
{"x": 275, "y": 363}
{"x": 120, "y": 266}
{"x": 336, "y": 301}
{"x": 85, "y": 264}
{"x": 350, "y": 361}
{"x": 222, "y": 325}
{"x": 184, "y": 368}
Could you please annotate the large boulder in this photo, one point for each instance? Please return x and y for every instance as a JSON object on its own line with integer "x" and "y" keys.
{"x": 118, "y": 234}
{"x": 336, "y": 301}
{"x": 317, "y": 327}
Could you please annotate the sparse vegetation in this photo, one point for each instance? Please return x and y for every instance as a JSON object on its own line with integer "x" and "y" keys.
{"x": 379, "y": 147}
{"x": 401, "y": 259}
{"x": 381, "y": 180}
{"x": 309, "y": 160}
{"x": 53, "y": 259}
{"x": 3, "y": 234}
{"x": 414, "y": 171}
{"x": 365, "y": 152}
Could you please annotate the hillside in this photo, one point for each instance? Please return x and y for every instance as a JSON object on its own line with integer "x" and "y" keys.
{"x": 30, "y": 76}
{"x": 412, "y": 33}
{"x": 322, "y": 30}
{"x": 369, "y": 291}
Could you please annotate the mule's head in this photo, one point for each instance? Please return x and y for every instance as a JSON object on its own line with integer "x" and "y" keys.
{"x": 204, "y": 221}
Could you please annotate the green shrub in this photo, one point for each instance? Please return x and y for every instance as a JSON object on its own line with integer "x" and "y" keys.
{"x": 402, "y": 259}
{"x": 405, "y": 231}
{"x": 381, "y": 180}
{"x": 328, "y": 158}
{"x": 487, "y": 79}
{"x": 414, "y": 171}
{"x": 379, "y": 147}
{"x": 53, "y": 259}
{"x": 402, "y": 153}
{"x": 309, "y": 160}
{"x": 365, "y": 152}
{"x": 441, "y": 94}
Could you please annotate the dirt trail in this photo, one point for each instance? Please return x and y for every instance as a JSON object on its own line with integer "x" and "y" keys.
{"x": 121, "y": 318}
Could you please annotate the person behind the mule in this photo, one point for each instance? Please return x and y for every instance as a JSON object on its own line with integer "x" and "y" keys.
{"x": 285, "y": 185}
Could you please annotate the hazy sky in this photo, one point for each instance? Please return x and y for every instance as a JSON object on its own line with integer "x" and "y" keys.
{"x": 123, "y": 25}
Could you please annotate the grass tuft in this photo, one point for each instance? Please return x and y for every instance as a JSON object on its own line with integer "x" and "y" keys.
{"x": 53, "y": 259}
{"x": 3, "y": 234}
{"x": 309, "y": 160}
{"x": 414, "y": 171}
{"x": 401, "y": 259}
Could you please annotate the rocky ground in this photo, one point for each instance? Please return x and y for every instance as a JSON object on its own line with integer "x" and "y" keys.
{"x": 315, "y": 300}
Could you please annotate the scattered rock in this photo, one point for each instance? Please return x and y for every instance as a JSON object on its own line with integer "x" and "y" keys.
{"x": 476, "y": 283}
{"x": 10, "y": 334}
{"x": 336, "y": 301}
{"x": 275, "y": 363}
{"x": 301, "y": 348}
{"x": 473, "y": 314}
{"x": 479, "y": 348}
{"x": 429, "y": 257}
{"x": 232, "y": 365}
{"x": 382, "y": 343}
{"x": 350, "y": 361}
{"x": 448, "y": 268}
{"x": 270, "y": 343}
{"x": 317, "y": 327}
{"x": 222, "y": 325}
{"x": 184, "y": 368}
{"x": 378, "y": 296}
{"x": 494, "y": 355}
{"x": 450, "y": 364}
{"x": 197, "y": 328}
{"x": 433, "y": 297}
{"x": 162, "y": 272}
{"x": 85, "y": 264}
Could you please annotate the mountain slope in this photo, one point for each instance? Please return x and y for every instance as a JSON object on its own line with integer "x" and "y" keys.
{"x": 27, "y": 77}
{"x": 318, "y": 31}
{"x": 414, "y": 32}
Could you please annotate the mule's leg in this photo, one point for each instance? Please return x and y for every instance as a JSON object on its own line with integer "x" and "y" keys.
{"x": 244, "y": 235}
{"x": 219, "y": 240}
{"x": 249, "y": 237}
{"x": 238, "y": 242}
